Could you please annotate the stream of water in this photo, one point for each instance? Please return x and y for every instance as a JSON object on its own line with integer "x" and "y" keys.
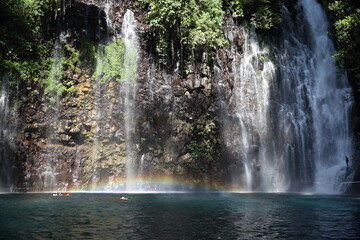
{"x": 128, "y": 92}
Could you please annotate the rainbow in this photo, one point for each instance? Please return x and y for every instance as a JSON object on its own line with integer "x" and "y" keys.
{"x": 156, "y": 185}
{"x": 140, "y": 184}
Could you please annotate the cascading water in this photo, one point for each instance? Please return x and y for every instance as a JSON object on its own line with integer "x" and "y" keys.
{"x": 329, "y": 104}
{"x": 292, "y": 111}
{"x": 107, "y": 10}
{"x": 101, "y": 68}
{"x": 117, "y": 56}
{"x": 253, "y": 76}
{"x": 128, "y": 92}
{"x": 5, "y": 163}
{"x": 47, "y": 172}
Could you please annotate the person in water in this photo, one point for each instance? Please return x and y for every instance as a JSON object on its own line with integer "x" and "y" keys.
{"x": 347, "y": 161}
{"x": 123, "y": 198}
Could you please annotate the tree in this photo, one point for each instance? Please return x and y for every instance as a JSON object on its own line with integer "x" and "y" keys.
{"x": 180, "y": 28}
{"x": 261, "y": 14}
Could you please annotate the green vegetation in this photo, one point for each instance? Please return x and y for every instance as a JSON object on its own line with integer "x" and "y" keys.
{"x": 109, "y": 61}
{"x": 204, "y": 147}
{"x": 183, "y": 29}
{"x": 194, "y": 148}
{"x": 53, "y": 80}
{"x": 26, "y": 43}
{"x": 73, "y": 57}
{"x": 88, "y": 52}
{"x": 261, "y": 14}
{"x": 129, "y": 64}
{"x": 179, "y": 31}
{"x": 204, "y": 143}
{"x": 23, "y": 34}
{"x": 347, "y": 26}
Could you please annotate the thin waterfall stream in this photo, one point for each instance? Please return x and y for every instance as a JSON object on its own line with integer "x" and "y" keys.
{"x": 5, "y": 155}
{"x": 128, "y": 92}
{"x": 100, "y": 78}
{"x": 48, "y": 174}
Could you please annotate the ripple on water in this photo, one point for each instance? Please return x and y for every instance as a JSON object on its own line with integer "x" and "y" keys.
{"x": 179, "y": 216}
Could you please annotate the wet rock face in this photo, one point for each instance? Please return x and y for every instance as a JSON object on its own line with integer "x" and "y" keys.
{"x": 81, "y": 141}
{"x": 178, "y": 127}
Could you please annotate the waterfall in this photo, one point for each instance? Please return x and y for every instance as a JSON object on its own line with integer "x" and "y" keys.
{"x": 254, "y": 74}
{"x": 128, "y": 92}
{"x": 117, "y": 57}
{"x": 47, "y": 173}
{"x": 107, "y": 10}
{"x": 291, "y": 108}
{"x": 107, "y": 53}
{"x": 48, "y": 178}
{"x": 5, "y": 161}
{"x": 329, "y": 104}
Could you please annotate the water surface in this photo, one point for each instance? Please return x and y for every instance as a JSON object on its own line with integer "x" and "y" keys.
{"x": 179, "y": 216}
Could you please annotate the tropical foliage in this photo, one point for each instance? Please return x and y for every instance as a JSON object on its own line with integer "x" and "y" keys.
{"x": 23, "y": 30}
{"x": 186, "y": 29}
{"x": 109, "y": 61}
{"x": 181, "y": 28}
{"x": 262, "y": 14}
{"x": 347, "y": 26}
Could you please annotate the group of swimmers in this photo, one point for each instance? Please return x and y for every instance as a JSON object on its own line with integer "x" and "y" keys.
{"x": 68, "y": 194}
{"x": 61, "y": 194}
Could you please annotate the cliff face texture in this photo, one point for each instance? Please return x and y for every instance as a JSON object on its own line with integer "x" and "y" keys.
{"x": 90, "y": 138}
{"x": 109, "y": 116}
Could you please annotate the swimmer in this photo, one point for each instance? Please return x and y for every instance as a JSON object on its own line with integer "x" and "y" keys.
{"x": 123, "y": 198}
